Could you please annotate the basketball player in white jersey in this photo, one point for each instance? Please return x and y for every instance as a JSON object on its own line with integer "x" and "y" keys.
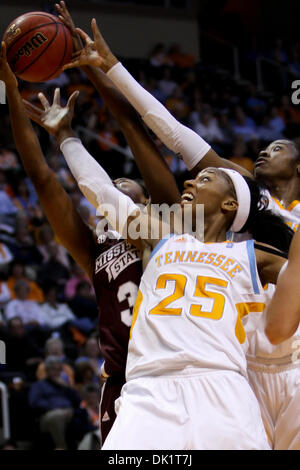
{"x": 186, "y": 372}
{"x": 272, "y": 372}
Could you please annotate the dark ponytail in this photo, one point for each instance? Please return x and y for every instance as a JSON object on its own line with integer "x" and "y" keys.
{"x": 264, "y": 225}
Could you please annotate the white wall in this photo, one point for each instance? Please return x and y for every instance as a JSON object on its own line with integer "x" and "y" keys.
{"x": 128, "y": 35}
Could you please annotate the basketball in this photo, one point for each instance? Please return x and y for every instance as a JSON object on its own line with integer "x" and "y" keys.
{"x": 38, "y": 45}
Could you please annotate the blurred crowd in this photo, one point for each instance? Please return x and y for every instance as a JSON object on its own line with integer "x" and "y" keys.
{"x": 48, "y": 310}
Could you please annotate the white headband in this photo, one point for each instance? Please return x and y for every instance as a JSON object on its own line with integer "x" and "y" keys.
{"x": 243, "y": 198}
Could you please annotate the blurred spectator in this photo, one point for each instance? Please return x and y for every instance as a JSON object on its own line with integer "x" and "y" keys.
{"x": 254, "y": 103}
{"x": 90, "y": 402}
{"x": 84, "y": 375}
{"x": 56, "y": 314}
{"x": 23, "y": 248}
{"x": 87, "y": 420}
{"x": 22, "y": 351}
{"x": 53, "y": 271}
{"x": 46, "y": 240}
{"x": 17, "y": 272}
{"x": 294, "y": 64}
{"x": 4, "y": 185}
{"x": 4, "y": 294}
{"x": 179, "y": 58}
{"x": 243, "y": 125}
{"x": 177, "y": 106}
{"x": 63, "y": 174}
{"x": 8, "y": 160}
{"x": 5, "y": 256}
{"x": 166, "y": 85}
{"x": 91, "y": 354}
{"x": 277, "y": 52}
{"x": 23, "y": 200}
{"x": 289, "y": 114}
{"x": 239, "y": 155}
{"x": 54, "y": 402}
{"x": 83, "y": 303}
{"x": 158, "y": 55}
{"x": 77, "y": 276}
{"x": 28, "y": 310}
{"x": 6, "y": 204}
{"x": 226, "y": 128}
{"x": 54, "y": 347}
{"x": 152, "y": 87}
{"x": 276, "y": 121}
{"x": 268, "y": 132}
{"x": 208, "y": 127}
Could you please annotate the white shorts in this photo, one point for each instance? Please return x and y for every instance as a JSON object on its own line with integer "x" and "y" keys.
{"x": 209, "y": 411}
{"x": 278, "y": 392}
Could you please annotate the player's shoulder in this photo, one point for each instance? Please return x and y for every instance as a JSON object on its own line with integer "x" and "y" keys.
{"x": 294, "y": 208}
{"x": 108, "y": 238}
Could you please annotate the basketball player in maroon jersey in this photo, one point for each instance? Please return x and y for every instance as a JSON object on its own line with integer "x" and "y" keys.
{"x": 113, "y": 266}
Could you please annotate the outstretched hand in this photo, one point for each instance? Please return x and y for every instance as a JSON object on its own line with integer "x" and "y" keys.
{"x": 54, "y": 118}
{"x": 95, "y": 53}
{"x": 66, "y": 18}
{"x": 6, "y": 74}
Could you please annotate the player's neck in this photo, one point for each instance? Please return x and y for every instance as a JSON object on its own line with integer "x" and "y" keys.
{"x": 286, "y": 192}
{"x": 214, "y": 230}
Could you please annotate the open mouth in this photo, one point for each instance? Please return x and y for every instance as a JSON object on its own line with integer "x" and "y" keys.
{"x": 187, "y": 198}
{"x": 260, "y": 161}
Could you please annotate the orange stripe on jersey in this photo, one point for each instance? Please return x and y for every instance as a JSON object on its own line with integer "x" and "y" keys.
{"x": 293, "y": 205}
{"x": 278, "y": 203}
{"x": 139, "y": 300}
{"x": 243, "y": 309}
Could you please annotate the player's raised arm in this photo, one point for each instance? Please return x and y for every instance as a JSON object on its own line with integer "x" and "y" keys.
{"x": 159, "y": 180}
{"x": 283, "y": 313}
{"x": 92, "y": 179}
{"x": 59, "y": 210}
{"x": 196, "y": 153}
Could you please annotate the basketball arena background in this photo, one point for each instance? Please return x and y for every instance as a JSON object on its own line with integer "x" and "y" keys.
{"x": 226, "y": 69}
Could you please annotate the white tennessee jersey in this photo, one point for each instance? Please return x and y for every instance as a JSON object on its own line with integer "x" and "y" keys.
{"x": 259, "y": 345}
{"x": 187, "y": 317}
{"x": 291, "y": 215}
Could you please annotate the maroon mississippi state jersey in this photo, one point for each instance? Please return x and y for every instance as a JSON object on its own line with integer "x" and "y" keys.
{"x": 117, "y": 275}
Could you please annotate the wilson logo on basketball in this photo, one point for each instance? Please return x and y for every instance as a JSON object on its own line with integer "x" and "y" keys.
{"x": 34, "y": 43}
{"x": 13, "y": 32}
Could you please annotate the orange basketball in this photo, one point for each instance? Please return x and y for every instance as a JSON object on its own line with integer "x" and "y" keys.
{"x": 38, "y": 45}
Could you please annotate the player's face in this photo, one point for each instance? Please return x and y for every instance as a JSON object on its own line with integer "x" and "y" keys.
{"x": 131, "y": 189}
{"x": 277, "y": 160}
{"x": 208, "y": 188}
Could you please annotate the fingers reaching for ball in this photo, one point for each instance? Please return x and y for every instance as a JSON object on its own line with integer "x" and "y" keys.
{"x": 6, "y": 74}
{"x": 55, "y": 118}
{"x": 44, "y": 101}
{"x": 3, "y": 50}
{"x": 65, "y": 16}
{"x": 33, "y": 112}
{"x": 72, "y": 100}
{"x": 108, "y": 58}
{"x": 95, "y": 53}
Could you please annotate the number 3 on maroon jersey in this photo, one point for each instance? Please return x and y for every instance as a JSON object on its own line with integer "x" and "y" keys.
{"x": 128, "y": 291}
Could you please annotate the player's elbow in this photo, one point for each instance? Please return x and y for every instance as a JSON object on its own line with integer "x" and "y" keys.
{"x": 277, "y": 335}
{"x": 273, "y": 336}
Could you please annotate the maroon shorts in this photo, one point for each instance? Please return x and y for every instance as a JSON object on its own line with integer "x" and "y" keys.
{"x": 110, "y": 393}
